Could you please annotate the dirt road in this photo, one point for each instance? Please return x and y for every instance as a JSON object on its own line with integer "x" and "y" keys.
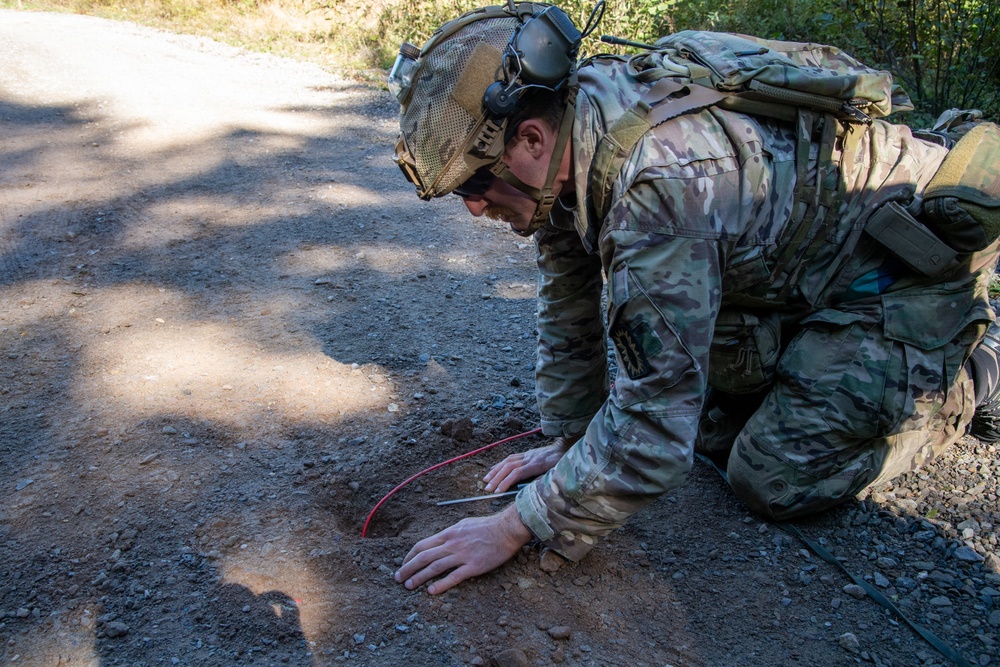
{"x": 228, "y": 328}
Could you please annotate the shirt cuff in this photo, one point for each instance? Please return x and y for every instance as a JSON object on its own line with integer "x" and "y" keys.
{"x": 555, "y": 428}
{"x": 532, "y": 511}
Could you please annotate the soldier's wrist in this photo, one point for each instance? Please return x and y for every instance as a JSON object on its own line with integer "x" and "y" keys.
{"x": 567, "y": 441}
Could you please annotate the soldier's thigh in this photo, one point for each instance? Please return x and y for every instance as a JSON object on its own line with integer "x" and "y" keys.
{"x": 850, "y": 407}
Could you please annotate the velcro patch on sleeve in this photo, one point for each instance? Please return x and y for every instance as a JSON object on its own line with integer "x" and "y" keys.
{"x": 636, "y": 343}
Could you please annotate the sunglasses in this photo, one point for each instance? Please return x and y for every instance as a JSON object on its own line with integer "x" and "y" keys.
{"x": 477, "y": 184}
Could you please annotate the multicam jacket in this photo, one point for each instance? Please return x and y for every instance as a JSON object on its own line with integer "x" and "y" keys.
{"x": 703, "y": 215}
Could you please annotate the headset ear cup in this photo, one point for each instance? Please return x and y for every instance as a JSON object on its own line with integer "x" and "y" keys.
{"x": 501, "y": 101}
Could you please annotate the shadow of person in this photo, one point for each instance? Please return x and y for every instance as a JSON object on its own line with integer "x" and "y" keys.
{"x": 223, "y": 624}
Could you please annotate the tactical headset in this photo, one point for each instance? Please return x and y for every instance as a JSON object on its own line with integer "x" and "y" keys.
{"x": 543, "y": 50}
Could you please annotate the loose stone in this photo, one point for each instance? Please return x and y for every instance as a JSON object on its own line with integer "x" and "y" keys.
{"x": 855, "y": 591}
{"x": 550, "y": 561}
{"x": 849, "y": 642}
{"x": 510, "y": 658}
{"x": 115, "y": 629}
{"x": 967, "y": 554}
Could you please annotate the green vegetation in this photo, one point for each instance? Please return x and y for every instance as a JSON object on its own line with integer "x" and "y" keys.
{"x": 946, "y": 53}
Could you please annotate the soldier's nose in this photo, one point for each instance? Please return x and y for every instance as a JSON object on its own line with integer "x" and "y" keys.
{"x": 476, "y": 205}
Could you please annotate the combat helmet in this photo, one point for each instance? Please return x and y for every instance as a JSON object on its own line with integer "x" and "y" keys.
{"x": 459, "y": 93}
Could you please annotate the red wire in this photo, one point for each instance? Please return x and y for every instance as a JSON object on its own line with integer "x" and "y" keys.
{"x": 364, "y": 529}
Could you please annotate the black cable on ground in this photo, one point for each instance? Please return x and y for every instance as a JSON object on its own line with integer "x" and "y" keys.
{"x": 872, "y": 592}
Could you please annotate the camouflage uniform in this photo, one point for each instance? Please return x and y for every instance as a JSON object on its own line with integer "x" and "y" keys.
{"x": 866, "y": 379}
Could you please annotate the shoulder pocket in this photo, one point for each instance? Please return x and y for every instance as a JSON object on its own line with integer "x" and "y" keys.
{"x": 651, "y": 356}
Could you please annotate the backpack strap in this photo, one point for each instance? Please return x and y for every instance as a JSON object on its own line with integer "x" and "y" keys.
{"x": 814, "y": 200}
{"x": 666, "y": 99}
{"x": 669, "y": 98}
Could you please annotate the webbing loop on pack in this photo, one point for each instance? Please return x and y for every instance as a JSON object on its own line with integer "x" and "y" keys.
{"x": 847, "y": 110}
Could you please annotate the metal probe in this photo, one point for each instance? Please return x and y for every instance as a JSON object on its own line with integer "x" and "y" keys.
{"x": 474, "y": 498}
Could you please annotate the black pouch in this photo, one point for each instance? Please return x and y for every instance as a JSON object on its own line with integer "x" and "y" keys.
{"x": 962, "y": 201}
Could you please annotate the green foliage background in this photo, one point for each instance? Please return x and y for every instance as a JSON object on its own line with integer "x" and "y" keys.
{"x": 945, "y": 53}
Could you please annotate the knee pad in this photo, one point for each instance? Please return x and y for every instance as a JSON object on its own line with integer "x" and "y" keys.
{"x": 779, "y": 492}
{"x": 756, "y": 485}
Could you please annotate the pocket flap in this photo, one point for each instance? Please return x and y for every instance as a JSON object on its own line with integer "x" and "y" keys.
{"x": 833, "y": 317}
{"x": 928, "y": 319}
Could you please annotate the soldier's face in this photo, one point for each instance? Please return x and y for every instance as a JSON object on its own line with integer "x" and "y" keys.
{"x": 526, "y": 158}
{"x": 502, "y": 202}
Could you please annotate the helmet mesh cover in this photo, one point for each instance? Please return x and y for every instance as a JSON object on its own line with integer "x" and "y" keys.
{"x": 435, "y": 125}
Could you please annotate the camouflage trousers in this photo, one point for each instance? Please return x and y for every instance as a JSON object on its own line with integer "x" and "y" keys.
{"x": 863, "y": 392}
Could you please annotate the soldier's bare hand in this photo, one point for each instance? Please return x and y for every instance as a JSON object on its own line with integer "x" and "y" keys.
{"x": 525, "y": 465}
{"x": 470, "y": 547}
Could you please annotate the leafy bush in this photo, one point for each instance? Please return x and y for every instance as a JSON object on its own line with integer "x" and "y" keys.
{"x": 944, "y": 52}
{"x": 414, "y": 21}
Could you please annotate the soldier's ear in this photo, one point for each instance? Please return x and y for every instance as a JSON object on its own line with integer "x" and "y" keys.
{"x": 535, "y": 137}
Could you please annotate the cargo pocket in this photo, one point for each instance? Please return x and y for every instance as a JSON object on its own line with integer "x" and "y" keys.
{"x": 937, "y": 329}
{"x": 651, "y": 356}
{"x": 836, "y": 370}
{"x": 893, "y": 370}
{"x": 744, "y": 353}
{"x": 931, "y": 318}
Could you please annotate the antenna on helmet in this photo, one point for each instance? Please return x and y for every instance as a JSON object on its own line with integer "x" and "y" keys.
{"x": 596, "y": 14}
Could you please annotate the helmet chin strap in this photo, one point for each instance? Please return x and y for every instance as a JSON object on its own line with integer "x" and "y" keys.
{"x": 544, "y": 198}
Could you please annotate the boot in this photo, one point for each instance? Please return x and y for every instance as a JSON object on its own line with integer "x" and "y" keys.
{"x": 723, "y": 417}
{"x": 985, "y": 366}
